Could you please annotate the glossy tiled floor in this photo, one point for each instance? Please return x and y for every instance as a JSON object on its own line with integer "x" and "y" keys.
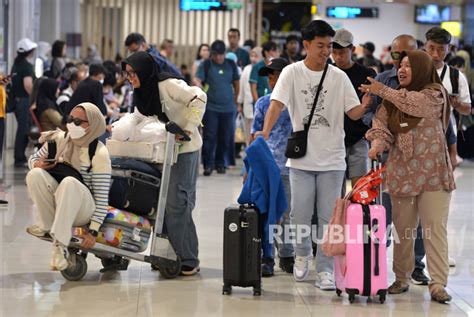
{"x": 28, "y": 288}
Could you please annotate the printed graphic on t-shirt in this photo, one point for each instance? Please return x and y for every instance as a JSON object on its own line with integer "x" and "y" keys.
{"x": 318, "y": 119}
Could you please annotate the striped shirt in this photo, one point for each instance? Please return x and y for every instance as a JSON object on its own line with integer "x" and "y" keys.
{"x": 97, "y": 180}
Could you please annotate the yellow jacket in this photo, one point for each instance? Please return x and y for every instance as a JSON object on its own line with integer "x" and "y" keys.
{"x": 3, "y": 101}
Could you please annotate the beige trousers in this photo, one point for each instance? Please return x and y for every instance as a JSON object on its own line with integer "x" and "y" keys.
{"x": 432, "y": 209}
{"x": 60, "y": 206}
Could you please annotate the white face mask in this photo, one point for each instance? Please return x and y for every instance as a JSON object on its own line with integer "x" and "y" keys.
{"x": 75, "y": 131}
{"x": 101, "y": 81}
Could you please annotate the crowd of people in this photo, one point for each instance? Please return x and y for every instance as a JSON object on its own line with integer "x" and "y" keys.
{"x": 408, "y": 109}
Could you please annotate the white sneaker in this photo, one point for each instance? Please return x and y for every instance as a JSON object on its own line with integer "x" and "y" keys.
{"x": 36, "y": 231}
{"x": 301, "y": 268}
{"x": 59, "y": 259}
{"x": 452, "y": 262}
{"x": 325, "y": 281}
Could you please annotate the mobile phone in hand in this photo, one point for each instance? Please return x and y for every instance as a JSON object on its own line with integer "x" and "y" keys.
{"x": 50, "y": 161}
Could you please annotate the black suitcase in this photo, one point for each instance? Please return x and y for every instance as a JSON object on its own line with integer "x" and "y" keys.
{"x": 135, "y": 186}
{"x": 242, "y": 249}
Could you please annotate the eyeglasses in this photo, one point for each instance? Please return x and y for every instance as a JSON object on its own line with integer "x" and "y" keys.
{"x": 130, "y": 74}
{"x": 76, "y": 121}
{"x": 395, "y": 55}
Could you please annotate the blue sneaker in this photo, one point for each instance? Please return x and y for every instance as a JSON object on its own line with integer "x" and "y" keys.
{"x": 267, "y": 267}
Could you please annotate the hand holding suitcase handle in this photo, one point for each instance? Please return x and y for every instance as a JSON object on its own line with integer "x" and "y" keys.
{"x": 173, "y": 128}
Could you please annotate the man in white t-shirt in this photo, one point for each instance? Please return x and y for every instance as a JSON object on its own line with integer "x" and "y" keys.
{"x": 437, "y": 46}
{"x": 318, "y": 175}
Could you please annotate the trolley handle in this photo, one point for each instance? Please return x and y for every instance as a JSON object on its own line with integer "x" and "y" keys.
{"x": 173, "y": 128}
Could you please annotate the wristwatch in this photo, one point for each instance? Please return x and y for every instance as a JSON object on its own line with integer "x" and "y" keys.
{"x": 94, "y": 233}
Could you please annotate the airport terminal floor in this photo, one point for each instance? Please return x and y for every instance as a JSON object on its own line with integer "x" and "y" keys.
{"x": 29, "y": 288}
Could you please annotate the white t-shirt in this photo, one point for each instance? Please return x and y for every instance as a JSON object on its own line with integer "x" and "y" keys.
{"x": 464, "y": 95}
{"x": 296, "y": 89}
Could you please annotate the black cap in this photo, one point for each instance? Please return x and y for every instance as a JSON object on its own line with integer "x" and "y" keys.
{"x": 274, "y": 64}
{"x": 369, "y": 46}
{"x": 218, "y": 47}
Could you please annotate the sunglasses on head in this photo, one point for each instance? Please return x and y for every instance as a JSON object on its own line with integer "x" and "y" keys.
{"x": 76, "y": 121}
{"x": 395, "y": 55}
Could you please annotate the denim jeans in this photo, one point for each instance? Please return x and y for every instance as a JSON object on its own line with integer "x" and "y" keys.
{"x": 286, "y": 250}
{"x": 419, "y": 249}
{"x": 218, "y": 130}
{"x": 306, "y": 186}
{"x": 23, "y": 119}
{"x": 179, "y": 207}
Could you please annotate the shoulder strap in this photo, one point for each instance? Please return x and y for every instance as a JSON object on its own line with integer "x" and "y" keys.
{"x": 92, "y": 149}
{"x": 207, "y": 66}
{"x": 52, "y": 149}
{"x": 320, "y": 87}
{"x": 454, "y": 78}
{"x": 233, "y": 65}
{"x": 443, "y": 73}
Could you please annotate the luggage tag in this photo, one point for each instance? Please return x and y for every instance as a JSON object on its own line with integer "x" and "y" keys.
{"x": 136, "y": 234}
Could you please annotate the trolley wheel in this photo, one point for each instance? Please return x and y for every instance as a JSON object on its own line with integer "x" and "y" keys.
{"x": 257, "y": 291}
{"x": 171, "y": 272}
{"x": 77, "y": 268}
{"x": 338, "y": 292}
{"x": 382, "y": 298}
{"x": 351, "y": 298}
{"x": 226, "y": 290}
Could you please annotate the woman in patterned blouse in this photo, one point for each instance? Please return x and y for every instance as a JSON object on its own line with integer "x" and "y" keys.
{"x": 411, "y": 123}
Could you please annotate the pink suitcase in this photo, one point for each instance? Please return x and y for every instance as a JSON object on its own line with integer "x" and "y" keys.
{"x": 363, "y": 269}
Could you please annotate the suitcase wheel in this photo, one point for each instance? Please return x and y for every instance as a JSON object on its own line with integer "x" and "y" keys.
{"x": 338, "y": 292}
{"x": 226, "y": 290}
{"x": 77, "y": 267}
{"x": 257, "y": 291}
{"x": 382, "y": 298}
{"x": 351, "y": 298}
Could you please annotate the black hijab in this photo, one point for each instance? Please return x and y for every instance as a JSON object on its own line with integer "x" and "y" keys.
{"x": 46, "y": 95}
{"x": 147, "y": 98}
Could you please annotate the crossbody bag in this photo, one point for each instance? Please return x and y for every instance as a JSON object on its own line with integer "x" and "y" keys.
{"x": 298, "y": 141}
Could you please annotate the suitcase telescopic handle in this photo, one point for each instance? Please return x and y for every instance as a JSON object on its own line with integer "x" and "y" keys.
{"x": 376, "y": 165}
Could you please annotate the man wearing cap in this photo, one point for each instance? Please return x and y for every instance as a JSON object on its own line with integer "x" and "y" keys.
{"x": 277, "y": 143}
{"x": 219, "y": 78}
{"x": 357, "y": 148}
{"x": 23, "y": 76}
{"x": 369, "y": 60}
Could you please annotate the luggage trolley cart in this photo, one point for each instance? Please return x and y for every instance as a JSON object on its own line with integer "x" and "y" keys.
{"x": 162, "y": 255}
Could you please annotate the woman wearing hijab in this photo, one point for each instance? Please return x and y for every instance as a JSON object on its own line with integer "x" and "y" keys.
{"x": 411, "y": 123}
{"x": 72, "y": 202}
{"x": 169, "y": 98}
{"x": 46, "y": 109}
